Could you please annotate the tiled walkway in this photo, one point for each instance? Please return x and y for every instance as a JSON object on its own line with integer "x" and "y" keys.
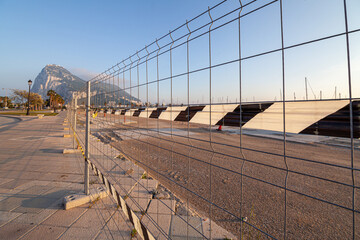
{"x": 34, "y": 178}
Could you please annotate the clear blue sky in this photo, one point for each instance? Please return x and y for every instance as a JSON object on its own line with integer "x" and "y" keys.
{"x": 87, "y": 37}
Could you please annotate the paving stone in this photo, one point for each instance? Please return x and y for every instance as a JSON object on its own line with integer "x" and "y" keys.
{"x": 138, "y": 205}
{"x": 35, "y": 176}
{"x": 36, "y": 218}
{"x": 36, "y": 190}
{"x": 14, "y": 183}
{"x": 9, "y": 192}
{"x": 79, "y": 233}
{"x": 8, "y": 216}
{"x": 29, "y": 184}
{"x": 118, "y": 221}
{"x": 11, "y": 203}
{"x": 65, "y": 217}
{"x": 217, "y": 232}
{"x": 14, "y": 230}
{"x": 160, "y": 212}
{"x": 95, "y": 218}
{"x": 58, "y": 193}
{"x": 120, "y": 234}
{"x": 124, "y": 184}
{"x": 45, "y": 232}
{"x": 141, "y": 195}
{"x": 180, "y": 229}
{"x": 35, "y": 205}
{"x": 4, "y": 181}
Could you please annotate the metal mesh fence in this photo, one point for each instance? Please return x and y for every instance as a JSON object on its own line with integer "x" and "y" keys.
{"x": 193, "y": 140}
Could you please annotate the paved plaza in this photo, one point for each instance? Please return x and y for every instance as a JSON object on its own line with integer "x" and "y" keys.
{"x": 34, "y": 178}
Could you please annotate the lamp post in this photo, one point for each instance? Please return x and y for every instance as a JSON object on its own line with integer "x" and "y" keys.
{"x": 28, "y": 109}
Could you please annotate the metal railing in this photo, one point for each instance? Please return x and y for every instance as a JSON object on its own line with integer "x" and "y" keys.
{"x": 267, "y": 168}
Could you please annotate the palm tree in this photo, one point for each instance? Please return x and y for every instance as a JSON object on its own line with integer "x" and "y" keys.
{"x": 59, "y": 100}
{"x": 55, "y": 99}
{"x": 51, "y": 93}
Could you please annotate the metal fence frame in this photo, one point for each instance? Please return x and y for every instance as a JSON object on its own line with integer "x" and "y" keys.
{"x": 105, "y": 86}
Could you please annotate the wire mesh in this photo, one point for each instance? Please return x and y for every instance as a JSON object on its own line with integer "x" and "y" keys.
{"x": 252, "y": 166}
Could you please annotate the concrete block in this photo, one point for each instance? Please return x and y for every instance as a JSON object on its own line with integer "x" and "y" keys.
{"x": 217, "y": 232}
{"x": 141, "y": 194}
{"x": 171, "y": 113}
{"x": 180, "y": 227}
{"x": 126, "y": 182}
{"x": 147, "y": 112}
{"x": 129, "y": 112}
{"x": 163, "y": 206}
{"x": 79, "y": 199}
{"x": 159, "y": 211}
{"x": 71, "y": 150}
{"x": 217, "y": 113}
{"x": 299, "y": 115}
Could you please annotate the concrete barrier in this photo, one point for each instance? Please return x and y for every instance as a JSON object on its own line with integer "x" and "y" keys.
{"x": 298, "y": 115}
{"x": 129, "y": 112}
{"x": 217, "y": 113}
{"x": 146, "y": 112}
{"x": 171, "y": 113}
{"x": 329, "y": 118}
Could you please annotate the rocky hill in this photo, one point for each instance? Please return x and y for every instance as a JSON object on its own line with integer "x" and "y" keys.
{"x": 57, "y": 78}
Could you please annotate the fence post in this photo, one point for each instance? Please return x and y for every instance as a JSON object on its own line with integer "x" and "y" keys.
{"x": 74, "y": 119}
{"x": 86, "y": 180}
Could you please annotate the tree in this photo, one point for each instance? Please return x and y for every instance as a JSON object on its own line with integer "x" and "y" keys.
{"x": 55, "y": 99}
{"x": 21, "y": 96}
{"x": 51, "y": 93}
{"x": 59, "y": 100}
{"x": 36, "y": 101}
{"x": 7, "y": 100}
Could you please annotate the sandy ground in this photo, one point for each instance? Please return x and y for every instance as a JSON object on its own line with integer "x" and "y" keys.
{"x": 251, "y": 183}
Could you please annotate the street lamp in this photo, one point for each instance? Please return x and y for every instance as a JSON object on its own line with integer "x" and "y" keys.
{"x": 28, "y": 110}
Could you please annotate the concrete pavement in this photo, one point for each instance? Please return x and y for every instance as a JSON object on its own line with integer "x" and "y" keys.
{"x": 34, "y": 178}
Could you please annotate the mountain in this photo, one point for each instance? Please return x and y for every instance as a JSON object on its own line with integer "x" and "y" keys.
{"x": 57, "y": 78}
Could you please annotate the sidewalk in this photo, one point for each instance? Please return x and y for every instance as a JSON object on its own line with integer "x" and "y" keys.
{"x": 34, "y": 178}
